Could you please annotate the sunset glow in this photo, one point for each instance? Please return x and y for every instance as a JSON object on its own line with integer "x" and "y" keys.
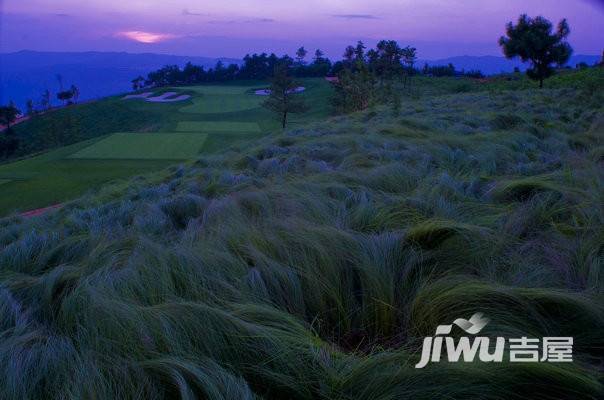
{"x": 437, "y": 28}
{"x": 146, "y": 37}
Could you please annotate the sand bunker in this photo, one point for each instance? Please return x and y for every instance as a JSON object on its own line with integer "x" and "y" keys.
{"x": 167, "y": 97}
{"x": 163, "y": 99}
{"x": 138, "y": 96}
{"x": 267, "y": 92}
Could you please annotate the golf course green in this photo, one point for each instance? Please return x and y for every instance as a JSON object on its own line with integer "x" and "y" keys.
{"x": 138, "y": 137}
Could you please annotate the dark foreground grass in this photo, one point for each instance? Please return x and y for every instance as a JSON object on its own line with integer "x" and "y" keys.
{"x": 311, "y": 265}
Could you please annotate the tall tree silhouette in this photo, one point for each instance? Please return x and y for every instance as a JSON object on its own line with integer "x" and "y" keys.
{"x": 534, "y": 41}
{"x": 8, "y": 115}
{"x": 283, "y": 99}
{"x": 359, "y": 52}
{"x": 301, "y": 55}
{"x": 75, "y": 93}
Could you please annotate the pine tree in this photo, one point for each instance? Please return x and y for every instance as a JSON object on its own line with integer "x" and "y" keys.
{"x": 532, "y": 40}
{"x": 8, "y": 115}
{"x": 45, "y": 101}
{"x": 283, "y": 99}
{"x": 301, "y": 55}
{"x": 31, "y": 109}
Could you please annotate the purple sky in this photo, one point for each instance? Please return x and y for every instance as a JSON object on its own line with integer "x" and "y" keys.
{"x": 231, "y": 28}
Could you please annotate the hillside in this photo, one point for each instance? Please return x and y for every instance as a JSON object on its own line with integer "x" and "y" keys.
{"x": 311, "y": 264}
{"x": 26, "y": 75}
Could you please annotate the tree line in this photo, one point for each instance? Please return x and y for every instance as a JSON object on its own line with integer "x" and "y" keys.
{"x": 254, "y": 67}
{"x": 387, "y": 58}
{"x": 67, "y": 96}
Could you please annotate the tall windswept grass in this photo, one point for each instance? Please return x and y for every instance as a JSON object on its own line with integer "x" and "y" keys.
{"x": 313, "y": 265}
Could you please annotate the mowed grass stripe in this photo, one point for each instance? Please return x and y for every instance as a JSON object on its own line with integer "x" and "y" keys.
{"x": 145, "y": 146}
{"x": 3, "y": 181}
{"x": 217, "y": 104}
{"x": 218, "y": 127}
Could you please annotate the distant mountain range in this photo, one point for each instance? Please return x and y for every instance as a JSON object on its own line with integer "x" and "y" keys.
{"x": 26, "y": 74}
{"x": 492, "y": 65}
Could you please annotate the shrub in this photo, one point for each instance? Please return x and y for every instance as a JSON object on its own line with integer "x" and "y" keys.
{"x": 523, "y": 189}
{"x": 506, "y": 122}
{"x": 183, "y": 208}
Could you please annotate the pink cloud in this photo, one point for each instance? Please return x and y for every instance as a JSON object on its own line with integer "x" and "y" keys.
{"x": 146, "y": 37}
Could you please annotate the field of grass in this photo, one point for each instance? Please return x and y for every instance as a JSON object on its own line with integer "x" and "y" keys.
{"x": 145, "y": 146}
{"x": 311, "y": 264}
{"x": 219, "y": 127}
{"x": 160, "y": 134}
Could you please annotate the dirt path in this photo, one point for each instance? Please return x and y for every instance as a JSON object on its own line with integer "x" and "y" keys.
{"x": 40, "y": 211}
{"x": 17, "y": 121}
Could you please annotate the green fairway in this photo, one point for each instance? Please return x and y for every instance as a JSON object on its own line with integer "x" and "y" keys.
{"x": 222, "y": 99}
{"x": 218, "y": 127}
{"x": 84, "y": 154}
{"x": 222, "y": 103}
{"x": 145, "y": 146}
{"x": 53, "y": 177}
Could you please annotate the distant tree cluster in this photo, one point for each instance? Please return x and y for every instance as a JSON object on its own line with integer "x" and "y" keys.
{"x": 439, "y": 70}
{"x": 9, "y": 141}
{"x": 255, "y": 66}
{"x": 449, "y": 70}
{"x": 366, "y": 77}
{"x": 69, "y": 96}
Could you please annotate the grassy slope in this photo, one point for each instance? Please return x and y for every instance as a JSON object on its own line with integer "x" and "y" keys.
{"x": 146, "y": 146}
{"x": 55, "y": 177}
{"x": 311, "y": 265}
